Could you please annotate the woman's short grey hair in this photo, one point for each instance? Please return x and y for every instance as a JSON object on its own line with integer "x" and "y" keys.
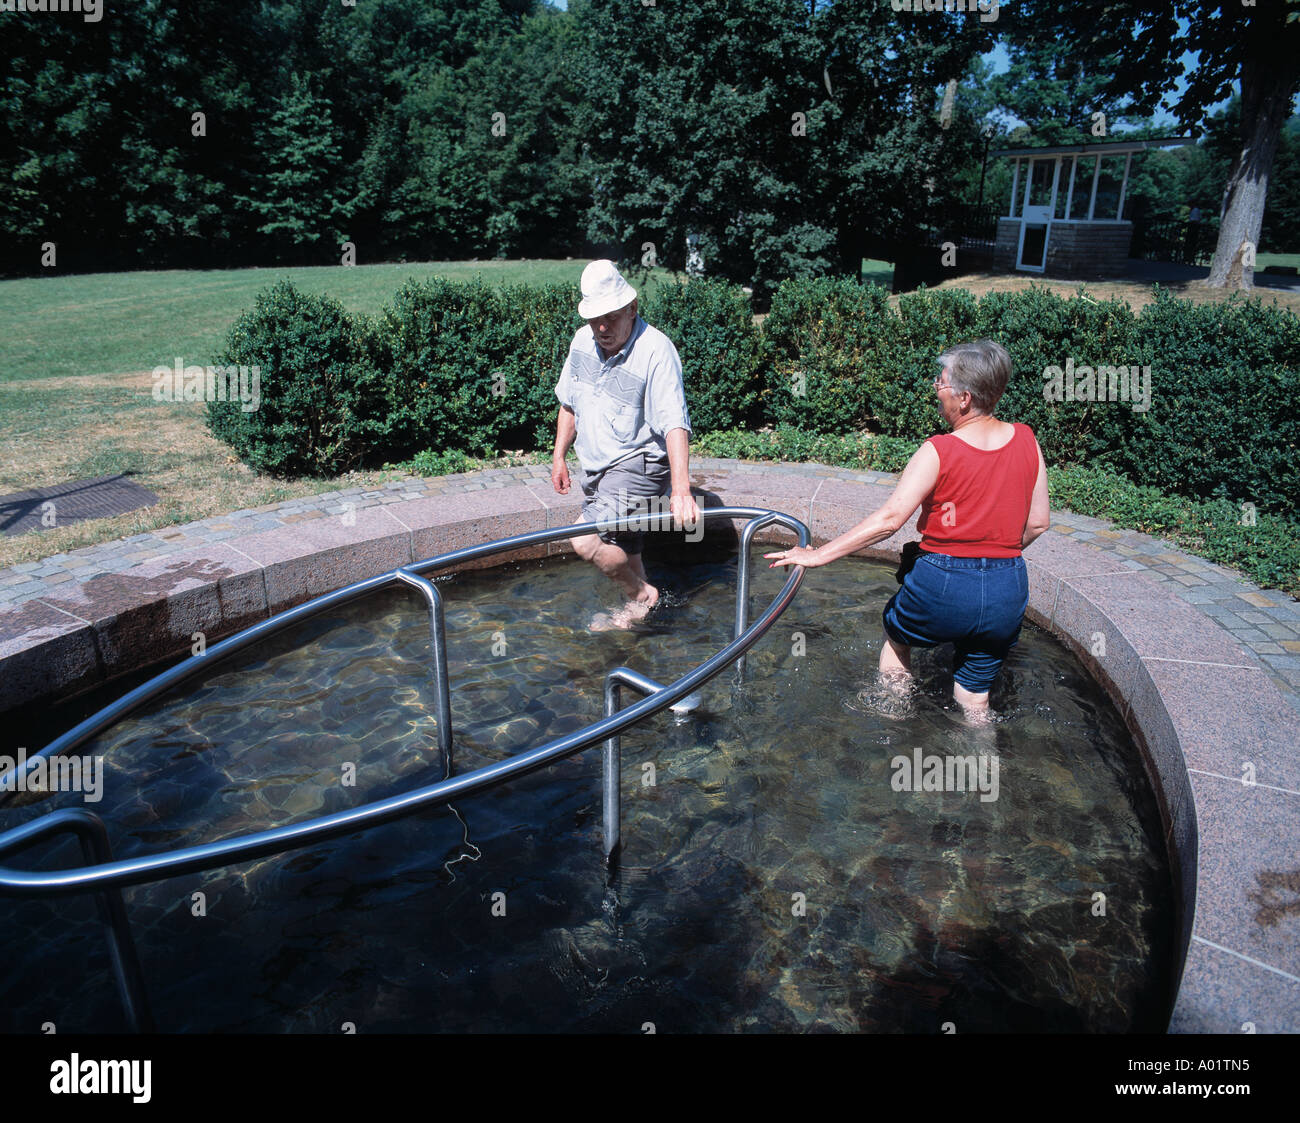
{"x": 981, "y": 369}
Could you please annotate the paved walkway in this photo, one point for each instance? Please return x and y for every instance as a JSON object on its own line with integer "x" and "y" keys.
{"x": 1264, "y": 621}
{"x": 1167, "y": 273}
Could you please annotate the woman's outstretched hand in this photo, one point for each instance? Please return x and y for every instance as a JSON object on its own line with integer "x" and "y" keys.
{"x": 798, "y": 555}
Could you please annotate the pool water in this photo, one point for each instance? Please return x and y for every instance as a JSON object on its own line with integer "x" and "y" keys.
{"x": 773, "y": 877}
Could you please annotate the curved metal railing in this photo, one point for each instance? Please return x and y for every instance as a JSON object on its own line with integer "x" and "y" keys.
{"x": 107, "y": 876}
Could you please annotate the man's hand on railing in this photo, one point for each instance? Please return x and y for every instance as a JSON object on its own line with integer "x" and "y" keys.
{"x": 685, "y": 510}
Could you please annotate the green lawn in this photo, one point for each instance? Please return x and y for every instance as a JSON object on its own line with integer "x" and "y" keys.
{"x": 112, "y": 323}
{"x": 1265, "y": 259}
{"x": 877, "y": 272}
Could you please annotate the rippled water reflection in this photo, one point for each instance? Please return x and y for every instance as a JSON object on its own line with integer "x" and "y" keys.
{"x": 772, "y": 879}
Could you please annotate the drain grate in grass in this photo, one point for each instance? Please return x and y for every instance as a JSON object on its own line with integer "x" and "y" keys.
{"x": 47, "y": 507}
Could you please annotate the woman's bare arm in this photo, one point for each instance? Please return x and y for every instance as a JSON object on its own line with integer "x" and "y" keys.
{"x": 916, "y": 482}
{"x": 1039, "y": 512}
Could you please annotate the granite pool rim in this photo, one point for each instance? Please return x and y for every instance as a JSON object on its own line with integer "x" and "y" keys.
{"x": 1199, "y": 704}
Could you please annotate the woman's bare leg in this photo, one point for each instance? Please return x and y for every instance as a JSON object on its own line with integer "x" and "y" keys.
{"x": 895, "y": 658}
{"x": 975, "y": 706}
{"x": 895, "y": 665}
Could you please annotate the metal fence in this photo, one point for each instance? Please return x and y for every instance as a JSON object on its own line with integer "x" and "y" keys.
{"x": 1181, "y": 243}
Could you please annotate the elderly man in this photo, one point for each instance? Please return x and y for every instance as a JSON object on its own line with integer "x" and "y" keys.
{"x": 622, "y": 400}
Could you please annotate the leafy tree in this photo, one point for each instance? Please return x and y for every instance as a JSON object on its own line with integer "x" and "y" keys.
{"x": 703, "y": 120}
{"x": 1257, "y": 44}
{"x": 889, "y": 165}
{"x": 1261, "y": 46}
{"x": 1056, "y": 91}
{"x": 97, "y": 132}
{"x": 788, "y": 135}
{"x": 300, "y": 195}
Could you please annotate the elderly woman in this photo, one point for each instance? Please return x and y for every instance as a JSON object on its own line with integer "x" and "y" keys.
{"x": 982, "y": 490}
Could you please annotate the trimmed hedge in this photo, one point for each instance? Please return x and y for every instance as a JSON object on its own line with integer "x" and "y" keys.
{"x": 465, "y": 367}
{"x": 826, "y": 338}
{"x": 722, "y": 354}
{"x": 471, "y": 367}
{"x": 786, "y": 443}
{"x": 1041, "y": 330}
{"x": 903, "y": 400}
{"x": 1223, "y": 421}
{"x": 323, "y": 406}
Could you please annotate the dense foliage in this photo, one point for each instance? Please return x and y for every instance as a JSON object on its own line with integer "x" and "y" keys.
{"x": 1191, "y": 398}
{"x": 321, "y": 405}
{"x": 794, "y": 138}
{"x": 711, "y": 325}
{"x": 472, "y": 367}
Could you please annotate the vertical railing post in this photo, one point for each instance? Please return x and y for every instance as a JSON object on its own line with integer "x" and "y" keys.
{"x": 611, "y": 761}
{"x": 93, "y": 836}
{"x": 742, "y": 578}
{"x": 438, "y": 646}
{"x": 611, "y": 798}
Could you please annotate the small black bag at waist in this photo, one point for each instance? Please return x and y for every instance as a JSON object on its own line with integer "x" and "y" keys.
{"x": 911, "y": 551}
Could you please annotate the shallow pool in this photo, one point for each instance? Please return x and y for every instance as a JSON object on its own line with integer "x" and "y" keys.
{"x": 774, "y": 876}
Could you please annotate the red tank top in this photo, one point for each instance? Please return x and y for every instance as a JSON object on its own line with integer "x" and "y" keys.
{"x": 980, "y": 503}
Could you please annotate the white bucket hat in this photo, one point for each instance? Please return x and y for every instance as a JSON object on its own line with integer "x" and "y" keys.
{"x": 603, "y": 290}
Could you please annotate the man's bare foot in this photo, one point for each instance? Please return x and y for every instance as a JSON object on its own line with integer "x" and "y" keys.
{"x": 621, "y": 619}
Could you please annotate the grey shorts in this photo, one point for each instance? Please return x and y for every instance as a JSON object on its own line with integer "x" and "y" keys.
{"x": 613, "y": 494}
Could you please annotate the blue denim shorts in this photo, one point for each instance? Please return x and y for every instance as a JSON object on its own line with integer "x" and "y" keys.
{"x": 976, "y": 604}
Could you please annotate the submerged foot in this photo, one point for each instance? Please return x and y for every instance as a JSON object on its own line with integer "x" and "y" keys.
{"x": 621, "y": 619}
{"x": 978, "y": 717}
{"x": 974, "y": 706}
{"x": 890, "y": 696}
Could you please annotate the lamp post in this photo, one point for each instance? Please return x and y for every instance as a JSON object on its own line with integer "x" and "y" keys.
{"x": 988, "y": 139}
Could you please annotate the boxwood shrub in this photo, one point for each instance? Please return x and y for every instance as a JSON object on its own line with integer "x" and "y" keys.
{"x": 1042, "y": 330}
{"x": 322, "y": 405}
{"x": 469, "y": 368}
{"x": 1223, "y": 421}
{"x": 712, "y": 327}
{"x": 827, "y": 340}
{"x": 467, "y": 365}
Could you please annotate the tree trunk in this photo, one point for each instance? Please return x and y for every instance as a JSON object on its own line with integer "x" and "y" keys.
{"x": 1266, "y": 95}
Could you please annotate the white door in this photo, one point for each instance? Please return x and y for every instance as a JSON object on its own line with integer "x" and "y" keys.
{"x": 1036, "y": 213}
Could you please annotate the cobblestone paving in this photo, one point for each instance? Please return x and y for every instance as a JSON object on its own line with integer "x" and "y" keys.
{"x": 1264, "y": 621}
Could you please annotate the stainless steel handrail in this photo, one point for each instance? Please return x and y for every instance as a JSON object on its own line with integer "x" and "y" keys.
{"x": 106, "y": 877}
{"x": 612, "y": 756}
{"x": 438, "y": 649}
{"x": 134, "y": 871}
{"x": 93, "y": 835}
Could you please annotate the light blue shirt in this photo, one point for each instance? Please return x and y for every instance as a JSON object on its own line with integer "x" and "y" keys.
{"x": 626, "y": 404}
